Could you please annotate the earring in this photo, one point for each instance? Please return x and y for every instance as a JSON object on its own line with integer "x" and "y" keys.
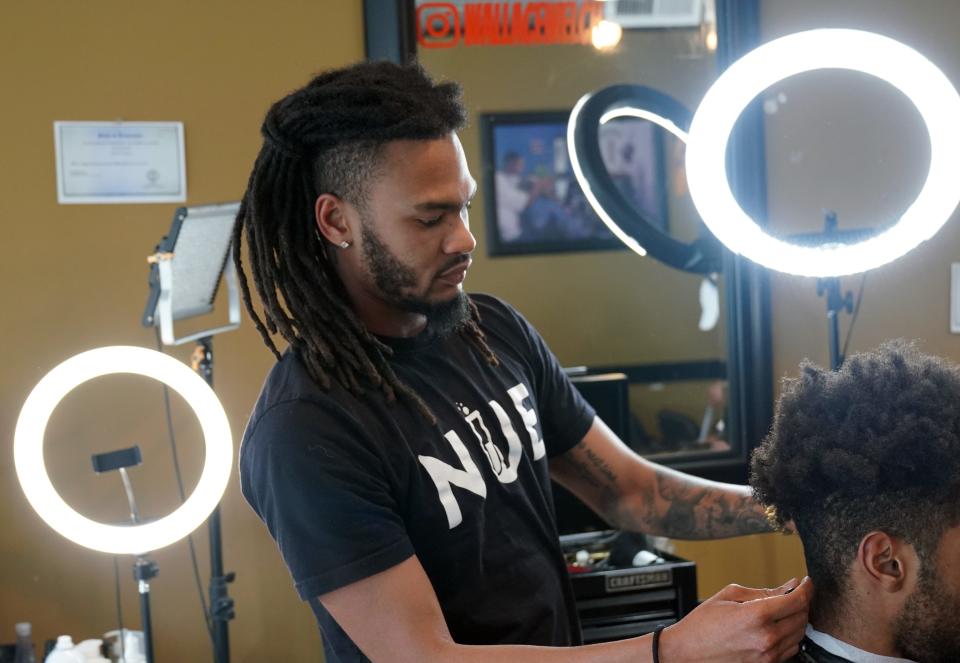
{"x": 344, "y": 244}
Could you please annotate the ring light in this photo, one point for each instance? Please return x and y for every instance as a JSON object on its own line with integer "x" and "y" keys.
{"x": 914, "y": 75}
{"x": 629, "y": 224}
{"x": 585, "y": 184}
{"x": 43, "y": 497}
{"x": 642, "y": 114}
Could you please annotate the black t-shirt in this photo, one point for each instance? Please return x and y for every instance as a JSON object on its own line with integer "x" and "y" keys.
{"x": 349, "y": 486}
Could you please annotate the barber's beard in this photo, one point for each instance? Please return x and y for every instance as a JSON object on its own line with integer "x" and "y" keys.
{"x": 395, "y": 280}
{"x": 928, "y": 628}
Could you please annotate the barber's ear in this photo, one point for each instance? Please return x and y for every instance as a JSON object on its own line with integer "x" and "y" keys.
{"x": 887, "y": 560}
{"x": 329, "y": 211}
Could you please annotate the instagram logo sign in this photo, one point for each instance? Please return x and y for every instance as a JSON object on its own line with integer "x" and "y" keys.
{"x": 438, "y": 25}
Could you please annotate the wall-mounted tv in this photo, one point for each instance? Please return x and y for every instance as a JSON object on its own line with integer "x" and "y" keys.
{"x": 532, "y": 199}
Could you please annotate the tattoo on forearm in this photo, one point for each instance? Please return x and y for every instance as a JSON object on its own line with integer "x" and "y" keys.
{"x": 699, "y": 511}
{"x": 593, "y": 470}
{"x": 751, "y": 518}
{"x": 684, "y": 500}
{"x": 673, "y": 504}
{"x": 601, "y": 467}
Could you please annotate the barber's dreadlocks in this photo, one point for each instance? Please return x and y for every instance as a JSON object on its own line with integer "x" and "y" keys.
{"x": 326, "y": 138}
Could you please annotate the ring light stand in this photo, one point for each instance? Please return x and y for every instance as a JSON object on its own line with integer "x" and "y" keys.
{"x": 140, "y": 537}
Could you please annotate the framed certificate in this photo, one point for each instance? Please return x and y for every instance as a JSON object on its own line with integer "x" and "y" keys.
{"x": 120, "y": 162}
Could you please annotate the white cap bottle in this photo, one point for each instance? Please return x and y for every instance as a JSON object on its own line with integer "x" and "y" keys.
{"x": 64, "y": 652}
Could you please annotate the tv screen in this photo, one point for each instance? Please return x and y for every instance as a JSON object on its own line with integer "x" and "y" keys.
{"x": 533, "y": 201}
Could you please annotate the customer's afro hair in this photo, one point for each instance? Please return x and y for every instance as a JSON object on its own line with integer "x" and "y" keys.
{"x": 874, "y": 446}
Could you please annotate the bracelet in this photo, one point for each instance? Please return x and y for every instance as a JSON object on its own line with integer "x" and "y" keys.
{"x": 656, "y": 643}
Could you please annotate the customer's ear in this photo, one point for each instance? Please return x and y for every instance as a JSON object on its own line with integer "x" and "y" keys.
{"x": 887, "y": 561}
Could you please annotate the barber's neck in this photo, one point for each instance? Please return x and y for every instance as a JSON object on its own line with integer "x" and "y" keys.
{"x": 382, "y": 317}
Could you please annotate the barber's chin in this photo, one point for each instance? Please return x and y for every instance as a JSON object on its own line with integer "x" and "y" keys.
{"x": 451, "y": 314}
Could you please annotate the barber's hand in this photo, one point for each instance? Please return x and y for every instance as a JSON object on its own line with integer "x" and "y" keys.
{"x": 741, "y": 625}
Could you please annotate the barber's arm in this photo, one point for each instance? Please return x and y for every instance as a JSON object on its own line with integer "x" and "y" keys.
{"x": 634, "y": 494}
{"x": 394, "y": 617}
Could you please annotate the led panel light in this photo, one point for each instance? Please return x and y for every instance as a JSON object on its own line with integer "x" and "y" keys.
{"x": 913, "y": 74}
{"x": 135, "y": 539}
{"x": 187, "y": 268}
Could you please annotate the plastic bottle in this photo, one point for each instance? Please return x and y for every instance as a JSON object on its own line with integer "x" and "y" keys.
{"x": 89, "y": 650}
{"x": 126, "y": 646}
{"x": 64, "y": 652}
{"x": 23, "y": 653}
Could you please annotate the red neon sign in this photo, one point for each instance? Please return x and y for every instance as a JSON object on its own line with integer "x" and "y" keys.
{"x": 443, "y": 25}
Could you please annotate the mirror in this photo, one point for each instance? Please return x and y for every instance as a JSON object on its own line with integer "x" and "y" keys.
{"x": 606, "y": 308}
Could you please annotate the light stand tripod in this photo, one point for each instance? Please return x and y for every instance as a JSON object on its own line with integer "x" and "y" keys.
{"x": 221, "y": 605}
{"x": 837, "y": 301}
{"x": 186, "y": 270}
{"x": 144, "y": 569}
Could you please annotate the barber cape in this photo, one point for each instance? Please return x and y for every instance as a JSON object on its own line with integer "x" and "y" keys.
{"x": 817, "y": 647}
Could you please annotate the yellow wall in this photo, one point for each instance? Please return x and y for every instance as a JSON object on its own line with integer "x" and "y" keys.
{"x": 74, "y": 277}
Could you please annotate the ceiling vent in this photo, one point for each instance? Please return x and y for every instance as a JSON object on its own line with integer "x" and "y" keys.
{"x": 655, "y": 13}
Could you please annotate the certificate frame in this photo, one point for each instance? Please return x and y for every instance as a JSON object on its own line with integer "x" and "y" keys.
{"x": 120, "y": 162}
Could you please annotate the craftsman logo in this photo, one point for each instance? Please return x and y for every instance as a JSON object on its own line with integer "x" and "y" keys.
{"x": 443, "y": 24}
{"x": 623, "y": 582}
